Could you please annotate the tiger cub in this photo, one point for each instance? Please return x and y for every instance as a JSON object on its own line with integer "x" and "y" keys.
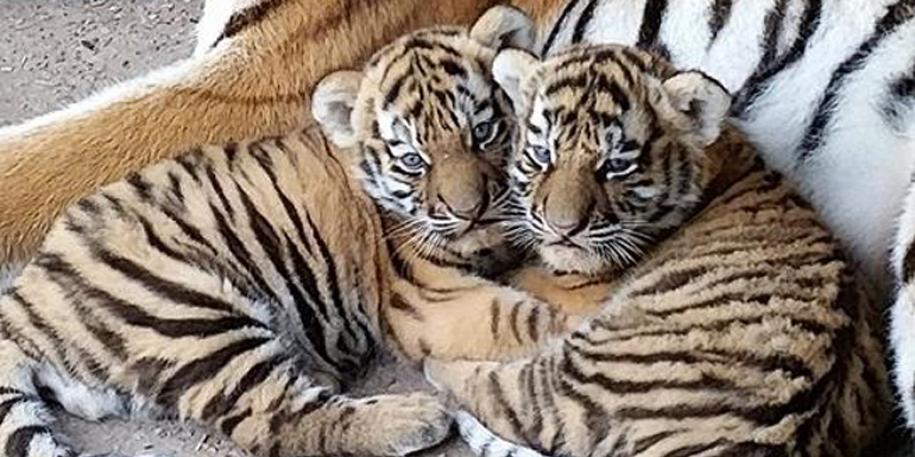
{"x": 241, "y": 286}
{"x": 737, "y": 328}
{"x": 429, "y": 135}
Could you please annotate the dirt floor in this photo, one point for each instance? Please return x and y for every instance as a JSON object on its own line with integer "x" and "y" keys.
{"x": 55, "y": 52}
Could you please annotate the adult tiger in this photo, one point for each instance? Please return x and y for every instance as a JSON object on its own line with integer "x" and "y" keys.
{"x": 742, "y": 331}
{"x": 241, "y": 286}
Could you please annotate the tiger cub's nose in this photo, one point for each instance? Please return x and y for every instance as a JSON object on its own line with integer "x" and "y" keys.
{"x": 567, "y": 217}
{"x": 468, "y": 207}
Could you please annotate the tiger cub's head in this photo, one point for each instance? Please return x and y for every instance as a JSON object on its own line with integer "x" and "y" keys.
{"x": 611, "y": 151}
{"x": 432, "y": 130}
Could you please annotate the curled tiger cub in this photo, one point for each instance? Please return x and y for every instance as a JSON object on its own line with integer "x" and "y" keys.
{"x": 243, "y": 286}
{"x": 737, "y": 326}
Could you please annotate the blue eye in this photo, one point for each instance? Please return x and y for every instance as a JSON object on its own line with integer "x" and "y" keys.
{"x": 412, "y": 160}
{"x": 540, "y": 154}
{"x": 482, "y": 132}
{"x": 618, "y": 167}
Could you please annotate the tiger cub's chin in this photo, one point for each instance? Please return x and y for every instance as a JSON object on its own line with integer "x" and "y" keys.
{"x": 572, "y": 259}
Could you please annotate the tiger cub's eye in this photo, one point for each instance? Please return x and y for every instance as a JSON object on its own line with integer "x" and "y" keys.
{"x": 617, "y": 167}
{"x": 482, "y": 133}
{"x": 412, "y": 161}
{"x": 540, "y": 154}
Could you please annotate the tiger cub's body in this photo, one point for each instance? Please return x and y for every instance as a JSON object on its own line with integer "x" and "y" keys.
{"x": 225, "y": 287}
{"x": 243, "y": 286}
{"x": 740, "y": 330}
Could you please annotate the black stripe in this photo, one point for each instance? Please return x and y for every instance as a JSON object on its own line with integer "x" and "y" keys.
{"x": 241, "y": 254}
{"x": 513, "y": 320}
{"x": 574, "y": 82}
{"x": 596, "y": 416}
{"x": 19, "y": 442}
{"x": 452, "y": 68}
{"x": 652, "y": 16}
{"x": 202, "y": 369}
{"x": 582, "y": 24}
{"x": 721, "y": 12}
{"x": 399, "y": 303}
{"x": 706, "y": 382}
{"x": 162, "y": 287}
{"x": 269, "y": 241}
{"x": 176, "y": 188}
{"x": 333, "y": 278}
{"x": 774, "y": 24}
{"x": 141, "y": 187}
{"x": 394, "y": 92}
{"x": 900, "y": 100}
{"x": 695, "y": 449}
{"x": 503, "y": 407}
{"x": 245, "y": 18}
{"x": 642, "y": 444}
{"x": 570, "y": 6}
{"x": 908, "y": 262}
{"x": 62, "y": 273}
{"x": 532, "y": 329}
{"x": 757, "y": 83}
{"x": 896, "y": 15}
{"x": 616, "y": 92}
{"x": 185, "y": 161}
{"x": 495, "y": 311}
{"x": 220, "y": 193}
{"x": 110, "y": 339}
{"x": 8, "y": 405}
{"x": 39, "y": 324}
{"x": 228, "y": 424}
{"x": 534, "y": 411}
{"x": 192, "y": 232}
{"x": 221, "y": 403}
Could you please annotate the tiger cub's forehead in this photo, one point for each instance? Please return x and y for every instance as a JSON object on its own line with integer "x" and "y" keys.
{"x": 590, "y": 87}
{"x": 581, "y": 83}
{"x": 436, "y": 59}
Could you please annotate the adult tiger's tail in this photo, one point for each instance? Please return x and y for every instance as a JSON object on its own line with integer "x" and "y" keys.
{"x": 252, "y": 72}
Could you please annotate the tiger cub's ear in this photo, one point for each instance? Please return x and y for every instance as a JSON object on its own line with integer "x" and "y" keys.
{"x": 504, "y": 26}
{"x": 510, "y": 69}
{"x": 332, "y": 104}
{"x": 700, "y": 102}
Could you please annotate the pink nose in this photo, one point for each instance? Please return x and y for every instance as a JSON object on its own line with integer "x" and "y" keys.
{"x": 566, "y": 217}
{"x": 467, "y": 209}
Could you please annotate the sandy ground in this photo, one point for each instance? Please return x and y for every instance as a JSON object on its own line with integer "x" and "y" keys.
{"x": 55, "y": 52}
